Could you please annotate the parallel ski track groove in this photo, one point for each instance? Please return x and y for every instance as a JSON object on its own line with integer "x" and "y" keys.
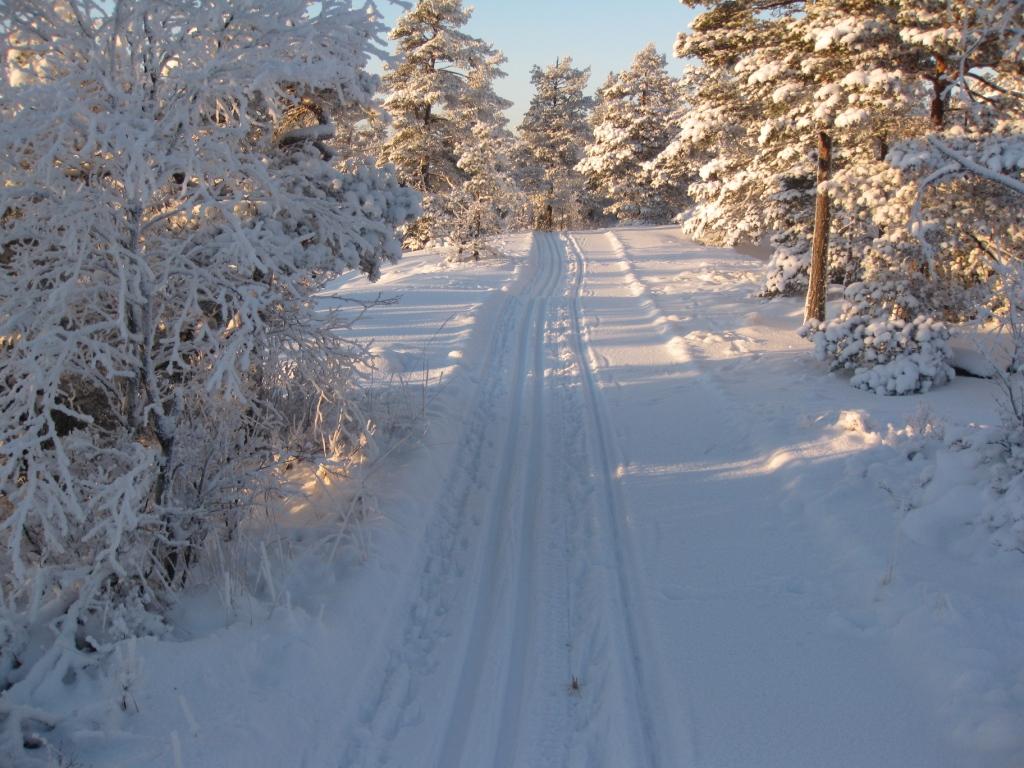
{"x": 502, "y": 517}
{"x": 644, "y": 692}
{"x": 533, "y": 483}
{"x": 675, "y": 333}
{"x": 476, "y": 591}
{"x": 390, "y": 692}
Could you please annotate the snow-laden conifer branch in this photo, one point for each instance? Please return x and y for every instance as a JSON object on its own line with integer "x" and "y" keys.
{"x": 967, "y": 164}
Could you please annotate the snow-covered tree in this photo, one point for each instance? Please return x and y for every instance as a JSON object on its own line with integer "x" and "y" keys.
{"x": 772, "y": 82}
{"x": 442, "y": 102}
{"x": 173, "y": 194}
{"x": 942, "y": 199}
{"x": 489, "y": 201}
{"x": 878, "y": 81}
{"x": 552, "y": 138}
{"x": 715, "y": 145}
{"x": 633, "y": 124}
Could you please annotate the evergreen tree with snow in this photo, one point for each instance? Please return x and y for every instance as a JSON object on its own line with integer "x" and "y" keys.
{"x": 552, "y": 138}
{"x": 441, "y": 99}
{"x": 876, "y": 79}
{"x": 944, "y": 230}
{"x": 632, "y": 125}
{"x": 489, "y": 201}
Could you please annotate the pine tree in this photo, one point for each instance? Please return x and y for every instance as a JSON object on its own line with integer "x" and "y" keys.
{"x": 552, "y": 137}
{"x": 488, "y": 202}
{"x": 943, "y": 232}
{"x": 442, "y": 102}
{"x": 633, "y": 124}
{"x": 876, "y": 82}
{"x": 713, "y": 150}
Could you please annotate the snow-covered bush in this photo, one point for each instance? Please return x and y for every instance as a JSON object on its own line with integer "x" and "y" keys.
{"x": 1008, "y": 460}
{"x": 888, "y": 355}
{"x": 173, "y": 195}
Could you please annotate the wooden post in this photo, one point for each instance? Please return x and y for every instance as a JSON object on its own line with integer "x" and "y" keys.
{"x": 817, "y": 284}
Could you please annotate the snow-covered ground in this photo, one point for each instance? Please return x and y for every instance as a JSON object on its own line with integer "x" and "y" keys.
{"x": 623, "y": 518}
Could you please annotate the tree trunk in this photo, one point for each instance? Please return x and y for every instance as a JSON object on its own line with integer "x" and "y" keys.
{"x": 940, "y": 83}
{"x": 814, "y": 309}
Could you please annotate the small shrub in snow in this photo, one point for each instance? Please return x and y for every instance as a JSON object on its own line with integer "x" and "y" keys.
{"x": 889, "y": 356}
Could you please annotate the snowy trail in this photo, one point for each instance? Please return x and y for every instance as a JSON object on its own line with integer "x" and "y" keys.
{"x": 642, "y": 695}
{"x": 472, "y": 589}
{"x": 644, "y": 530}
{"x": 620, "y": 567}
{"x": 525, "y": 642}
{"x": 767, "y": 666}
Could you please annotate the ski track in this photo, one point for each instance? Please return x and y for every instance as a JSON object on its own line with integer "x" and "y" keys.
{"x": 653, "y": 538}
{"x": 670, "y": 325}
{"x": 653, "y": 745}
{"x": 392, "y": 694}
{"x": 527, "y": 581}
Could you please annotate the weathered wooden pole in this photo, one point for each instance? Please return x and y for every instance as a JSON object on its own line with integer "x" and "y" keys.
{"x": 817, "y": 284}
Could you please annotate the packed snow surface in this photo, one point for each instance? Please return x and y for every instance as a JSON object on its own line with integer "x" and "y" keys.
{"x": 642, "y": 527}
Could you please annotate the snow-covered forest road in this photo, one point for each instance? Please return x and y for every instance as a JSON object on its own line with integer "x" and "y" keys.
{"x": 621, "y": 518}
{"x": 530, "y": 582}
{"x": 623, "y": 567}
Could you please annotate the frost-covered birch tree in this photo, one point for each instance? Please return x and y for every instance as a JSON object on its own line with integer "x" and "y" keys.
{"x": 173, "y": 194}
{"x": 633, "y": 123}
{"x": 552, "y": 139}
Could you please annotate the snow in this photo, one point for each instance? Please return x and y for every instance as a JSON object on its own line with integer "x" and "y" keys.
{"x": 766, "y": 72}
{"x": 638, "y": 524}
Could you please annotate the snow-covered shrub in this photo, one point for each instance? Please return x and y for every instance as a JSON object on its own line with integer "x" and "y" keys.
{"x": 943, "y": 232}
{"x": 888, "y": 355}
{"x": 787, "y": 269}
{"x": 173, "y": 195}
{"x": 1007, "y": 460}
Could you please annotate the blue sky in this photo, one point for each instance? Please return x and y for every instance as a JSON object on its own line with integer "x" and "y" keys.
{"x": 601, "y": 34}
